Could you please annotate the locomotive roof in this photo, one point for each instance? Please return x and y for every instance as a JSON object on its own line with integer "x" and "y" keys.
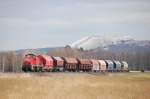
{"x": 30, "y": 54}
{"x": 46, "y": 57}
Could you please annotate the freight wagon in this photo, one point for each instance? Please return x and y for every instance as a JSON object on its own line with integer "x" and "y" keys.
{"x": 109, "y": 65}
{"x": 40, "y": 63}
{"x": 117, "y": 66}
{"x": 95, "y": 65}
{"x": 102, "y": 65}
{"x": 84, "y": 65}
{"x": 70, "y": 64}
{"x": 58, "y": 64}
{"x": 124, "y": 66}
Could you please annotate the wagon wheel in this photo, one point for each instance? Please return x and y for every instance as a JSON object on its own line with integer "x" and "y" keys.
{"x": 40, "y": 69}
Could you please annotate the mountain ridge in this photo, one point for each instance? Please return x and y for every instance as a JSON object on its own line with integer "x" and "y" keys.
{"x": 98, "y": 41}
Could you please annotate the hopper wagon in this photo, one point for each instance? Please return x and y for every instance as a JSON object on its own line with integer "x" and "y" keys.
{"x": 109, "y": 65}
{"x": 95, "y": 65}
{"x": 124, "y": 66}
{"x": 117, "y": 66}
{"x": 84, "y": 65}
{"x": 58, "y": 63}
{"x": 102, "y": 64}
{"x": 70, "y": 64}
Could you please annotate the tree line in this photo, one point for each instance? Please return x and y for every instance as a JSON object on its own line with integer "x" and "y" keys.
{"x": 139, "y": 60}
{"x": 10, "y": 62}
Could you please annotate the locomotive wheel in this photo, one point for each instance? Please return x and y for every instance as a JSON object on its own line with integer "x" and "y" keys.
{"x": 54, "y": 70}
{"x": 29, "y": 69}
{"x": 38, "y": 69}
{"x": 25, "y": 69}
{"x": 49, "y": 70}
{"x": 35, "y": 69}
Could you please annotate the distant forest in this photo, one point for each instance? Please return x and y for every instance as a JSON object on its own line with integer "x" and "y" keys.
{"x": 138, "y": 60}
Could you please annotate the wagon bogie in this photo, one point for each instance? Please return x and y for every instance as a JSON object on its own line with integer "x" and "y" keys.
{"x": 59, "y": 69}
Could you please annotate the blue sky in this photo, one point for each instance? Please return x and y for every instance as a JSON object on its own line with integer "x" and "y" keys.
{"x": 50, "y": 23}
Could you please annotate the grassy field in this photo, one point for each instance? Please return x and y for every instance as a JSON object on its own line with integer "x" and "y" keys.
{"x": 75, "y": 86}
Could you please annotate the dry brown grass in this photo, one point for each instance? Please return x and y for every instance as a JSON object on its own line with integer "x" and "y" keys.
{"x": 75, "y": 86}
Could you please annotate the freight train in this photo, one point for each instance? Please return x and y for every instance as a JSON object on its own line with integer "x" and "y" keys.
{"x": 42, "y": 63}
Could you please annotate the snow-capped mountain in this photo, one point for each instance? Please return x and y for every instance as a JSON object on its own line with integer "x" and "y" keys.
{"x": 93, "y": 42}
